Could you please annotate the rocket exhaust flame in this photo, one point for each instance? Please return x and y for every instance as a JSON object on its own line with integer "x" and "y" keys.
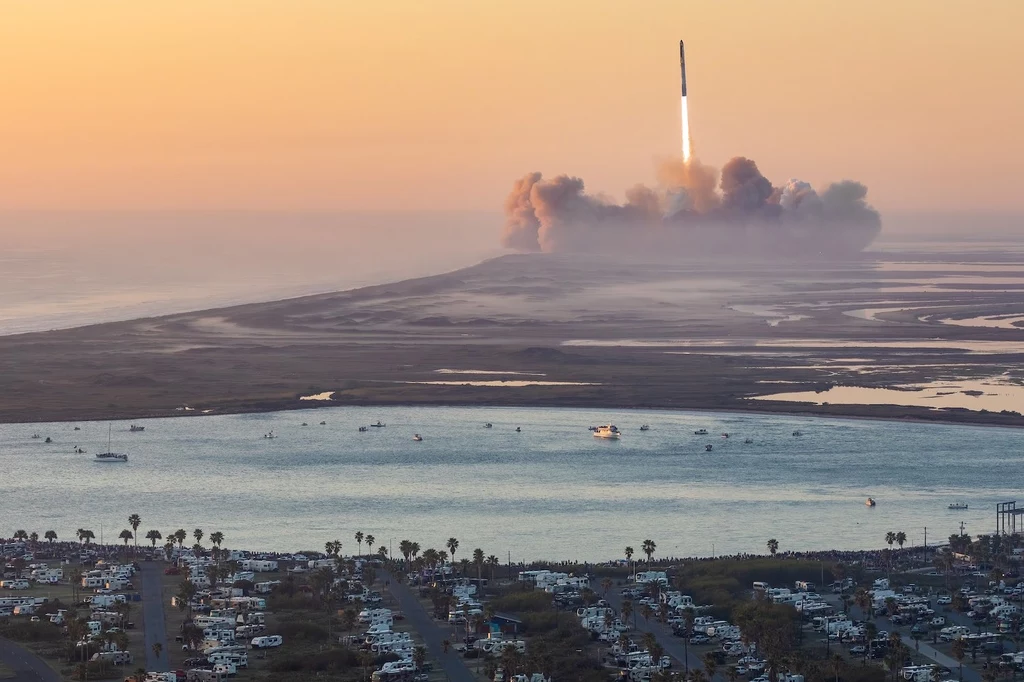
{"x": 686, "y": 131}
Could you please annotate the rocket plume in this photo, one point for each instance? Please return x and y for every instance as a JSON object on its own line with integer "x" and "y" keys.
{"x": 686, "y": 131}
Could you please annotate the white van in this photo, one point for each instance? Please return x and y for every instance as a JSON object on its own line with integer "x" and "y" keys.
{"x": 14, "y": 584}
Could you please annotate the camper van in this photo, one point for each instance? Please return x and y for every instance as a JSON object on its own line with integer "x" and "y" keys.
{"x": 114, "y": 657}
{"x": 267, "y": 642}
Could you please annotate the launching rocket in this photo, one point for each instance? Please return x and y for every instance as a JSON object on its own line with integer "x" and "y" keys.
{"x": 682, "y": 66}
{"x": 684, "y": 112}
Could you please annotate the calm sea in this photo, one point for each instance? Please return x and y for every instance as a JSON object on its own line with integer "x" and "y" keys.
{"x": 549, "y": 491}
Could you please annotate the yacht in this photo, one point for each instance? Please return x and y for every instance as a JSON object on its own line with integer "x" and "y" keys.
{"x": 135, "y": 429}
{"x": 417, "y": 437}
{"x": 958, "y": 506}
{"x": 870, "y": 502}
{"x": 110, "y": 456}
{"x": 700, "y": 432}
{"x": 607, "y": 431}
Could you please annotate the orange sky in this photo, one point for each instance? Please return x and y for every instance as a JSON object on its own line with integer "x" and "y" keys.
{"x": 407, "y": 104}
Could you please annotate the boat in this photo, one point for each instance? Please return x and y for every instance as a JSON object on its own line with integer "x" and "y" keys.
{"x": 870, "y": 502}
{"x": 362, "y": 429}
{"x": 305, "y": 424}
{"x": 645, "y": 427}
{"x": 36, "y": 436}
{"x": 958, "y": 506}
{"x": 78, "y": 428}
{"x": 488, "y": 425}
{"x": 323, "y": 423}
{"x": 378, "y": 425}
{"x": 700, "y": 432}
{"x": 748, "y": 441}
{"x": 607, "y": 431}
{"x": 48, "y": 440}
{"x": 725, "y": 435}
{"x": 110, "y": 456}
{"x": 417, "y": 437}
{"x": 518, "y": 429}
{"x": 797, "y": 433}
{"x": 79, "y": 451}
{"x": 269, "y": 435}
{"x": 135, "y": 429}
{"x": 708, "y": 448}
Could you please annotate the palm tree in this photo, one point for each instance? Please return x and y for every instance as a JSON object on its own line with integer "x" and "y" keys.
{"x": 179, "y": 537}
{"x": 186, "y": 591}
{"x": 452, "y": 545}
{"x": 135, "y": 521}
{"x": 606, "y": 585}
{"x": 75, "y": 578}
{"x": 198, "y": 535}
{"x": 359, "y": 539}
{"x": 50, "y": 536}
{"x": 478, "y": 559}
{"x": 959, "y": 650}
{"x": 126, "y": 535}
{"x": 370, "y": 540}
{"x": 627, "y": 611}
{"x": 648, "y": 548}
{"x": 85, "y": 535}
{"x": 901, "y": 538}
{"x": 216, "y": 537}
{"x": 419, "y": 656}
{"x": 20, "y": 535}
{"x": 153, "y": 536}
{"x": 158, "y": 649}
{"x": 493, "y": 562}
{"x": 646, "y": 611}
{"x": 710, "y": 664}
{"x": 415, "y": 549}
{"x": 773, "y": 546}
{"x": 33, "y": 537}
{"x": 405, "y": 547}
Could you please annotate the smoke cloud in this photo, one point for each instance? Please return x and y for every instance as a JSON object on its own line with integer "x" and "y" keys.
{"x": 693, "y": 210}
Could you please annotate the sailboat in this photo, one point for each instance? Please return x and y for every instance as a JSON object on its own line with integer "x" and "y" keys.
{"x": 110, "y": 456}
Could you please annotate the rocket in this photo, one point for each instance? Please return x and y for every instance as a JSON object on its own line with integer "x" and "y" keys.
{"x": 682, "y": 66}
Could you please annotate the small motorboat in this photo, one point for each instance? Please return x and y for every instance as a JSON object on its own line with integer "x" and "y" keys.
{"x": 518, "y": 429}
{"x": 725, "y": 435}
{"x": 36, "y": 436}
{"x": 645, "y": 427}
{"x": 269, "y": 435}
{"x": 48, "y": 440}
{"x": 79, "y": 451}
{"x": 135, "y": 429}
{"x": 362, "y": 429}
{"x": 78, "y": 428}
{"x": 797, "y": 433}
{"x": 748, "y": 441}
{"x": 378, "y": 425}
{"x": 305, "y": 424}
{"x": 323, "y": 423}
{"x": 700, "y": 432}
{"x": 488, "y": 425}
{"x": 708, "y": 448}
{"x": 870, "y": 502}
{"x": 417, "y": 437}
{"x": 958, "y": 506}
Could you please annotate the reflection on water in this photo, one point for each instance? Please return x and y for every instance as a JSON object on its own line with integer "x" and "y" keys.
{"x": 962, "y": 394}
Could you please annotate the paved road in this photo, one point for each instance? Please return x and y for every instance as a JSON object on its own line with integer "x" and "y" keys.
{"x": 27, "y": 666}
{"x": 153, "y": 615}
{"x": 433, "y": 634}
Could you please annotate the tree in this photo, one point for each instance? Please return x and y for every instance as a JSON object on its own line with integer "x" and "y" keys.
{"x": 135, "y": 521}
{"x": 158, "y": 649}
{"x": 452, "y": 545}
{"x": 646, "y": 611}
{"x": 419, "y": 656}
{"x": 85, "y": 535}
{"x": 838, "y": 663}
{"x": 627, "y": 611}
{"x": 20, "y": 535}
{"x": 493, "y": 562}
{"x": 370, "y": 540}
{"x": 186, "y": 592}
{"x": 50, "y": 535}
{"x": 710, "y": 664}
{"x": 606, "y": 585}
{"x": 198, "y": 535}
{"x": 629, "y": 554}
{"x": 126, "y": 535}
{"x": 405, "y": 547}
{"x": 359, "y": 541}
{"x": 153, "y": 536}
{"x": 648, "y": 548}
{"x": 33, "y": 537}
{"x": 773, "y": 546}
{"x": 478, "y": 559}
{"x": 901, "y": 538}
{"x": 216, "y": 538}
{"x": 959, "y": 650}
{"x": 179, "y": 537}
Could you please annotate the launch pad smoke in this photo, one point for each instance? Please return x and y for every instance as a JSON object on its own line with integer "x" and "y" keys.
{"x": 686, "y": 214}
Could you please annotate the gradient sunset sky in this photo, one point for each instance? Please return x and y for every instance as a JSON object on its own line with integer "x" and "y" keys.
{"x": 440, "y": 104}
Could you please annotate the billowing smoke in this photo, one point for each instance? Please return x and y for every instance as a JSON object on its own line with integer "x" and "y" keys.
{"x": 692, "y": 212}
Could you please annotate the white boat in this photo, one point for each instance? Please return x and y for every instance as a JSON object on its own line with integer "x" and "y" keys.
{"x": 269, "y": 435}
{"x": 700, "y": 432}
{"x": 958, "y": 506}
{"x": 110, "y": 456}
{"x": 645, "y": 427}
{"x": 488, "y": 425}
{"x": 135, "y": 429}
{"x": 870, "y": 502}
{"x": 417, "y": 437}
{"x": 607, "y": 431}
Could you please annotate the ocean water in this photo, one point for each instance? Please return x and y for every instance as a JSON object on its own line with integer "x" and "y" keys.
{"x": 550, "y": 491}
